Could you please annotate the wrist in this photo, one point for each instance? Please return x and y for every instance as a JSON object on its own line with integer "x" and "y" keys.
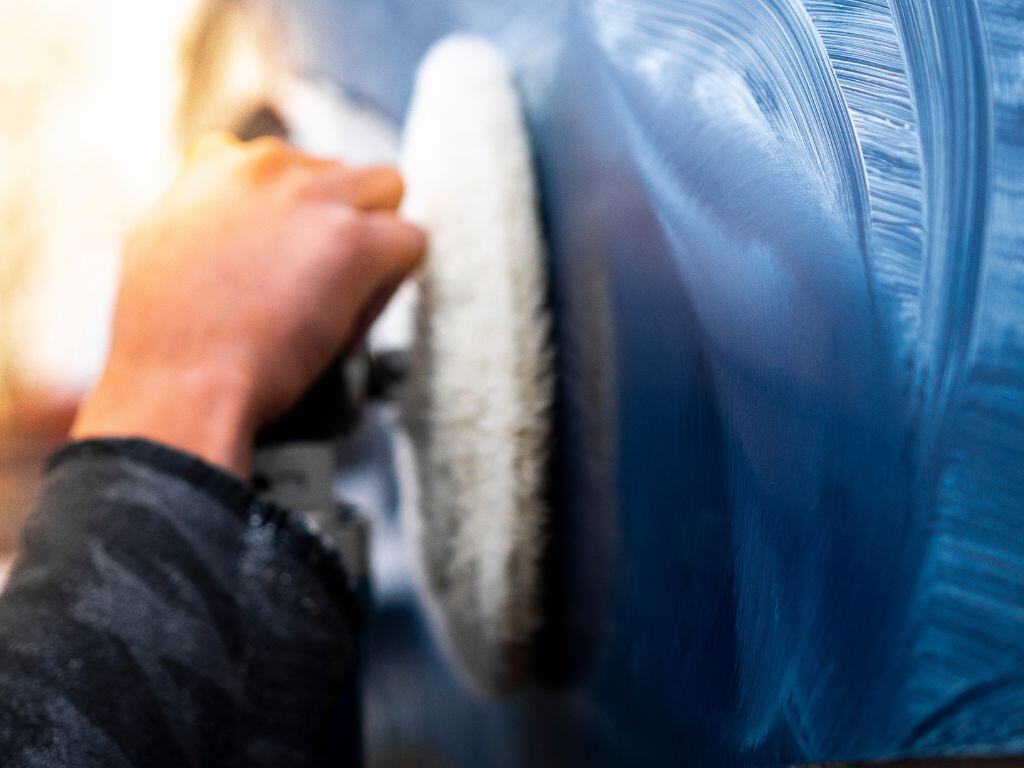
{"x": 203, "y": 411}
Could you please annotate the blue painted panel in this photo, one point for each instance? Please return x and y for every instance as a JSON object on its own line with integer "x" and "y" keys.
{"x": 787, "y": 243}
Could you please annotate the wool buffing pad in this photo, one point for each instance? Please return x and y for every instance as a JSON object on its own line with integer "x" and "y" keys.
{"x": 481, "y": 383}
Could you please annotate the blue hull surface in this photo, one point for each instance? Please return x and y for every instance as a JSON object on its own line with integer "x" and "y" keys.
{"x": 787, "y": 245}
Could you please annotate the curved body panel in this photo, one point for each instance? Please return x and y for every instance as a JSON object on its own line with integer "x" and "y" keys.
{"x": 787, "y": 243}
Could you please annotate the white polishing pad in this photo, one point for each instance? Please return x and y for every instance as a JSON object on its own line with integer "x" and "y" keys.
{"x": 482, "y": 382}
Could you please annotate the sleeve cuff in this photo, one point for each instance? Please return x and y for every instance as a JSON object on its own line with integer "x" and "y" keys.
{"x": 234, "y": 496}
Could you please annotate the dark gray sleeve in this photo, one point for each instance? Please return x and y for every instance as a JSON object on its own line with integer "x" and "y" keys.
{"x": 159, "y": 614}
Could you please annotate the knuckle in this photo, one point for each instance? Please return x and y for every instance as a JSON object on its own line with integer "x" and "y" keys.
{"x": 267, "y": 156}
{"x": 348, "y": 227}
{"x": 410, "y": 246}
{"x": 300, "y": 186}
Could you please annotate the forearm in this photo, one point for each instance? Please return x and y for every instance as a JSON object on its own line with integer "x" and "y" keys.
{"x": 160, "y": 615}
{"x": 203, "y": 411}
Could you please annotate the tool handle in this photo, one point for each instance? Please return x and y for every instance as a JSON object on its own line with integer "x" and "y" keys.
{"x": 294, "y": 458}
{"x": 326, "y": 410}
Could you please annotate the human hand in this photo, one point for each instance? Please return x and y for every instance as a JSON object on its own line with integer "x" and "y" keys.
{"x": 255, "y": 270}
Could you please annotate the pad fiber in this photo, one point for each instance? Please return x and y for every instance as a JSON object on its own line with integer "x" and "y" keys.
{"x": 481, "y": 385}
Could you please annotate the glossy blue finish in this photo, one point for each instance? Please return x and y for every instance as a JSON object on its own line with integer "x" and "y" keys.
{"x": 787, "y": 245}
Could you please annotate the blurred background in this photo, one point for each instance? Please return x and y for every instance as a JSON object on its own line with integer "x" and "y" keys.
{"x": 98, "y": 101}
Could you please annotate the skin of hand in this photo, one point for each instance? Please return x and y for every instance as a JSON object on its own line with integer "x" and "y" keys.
{"x": 258, "y": 266}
